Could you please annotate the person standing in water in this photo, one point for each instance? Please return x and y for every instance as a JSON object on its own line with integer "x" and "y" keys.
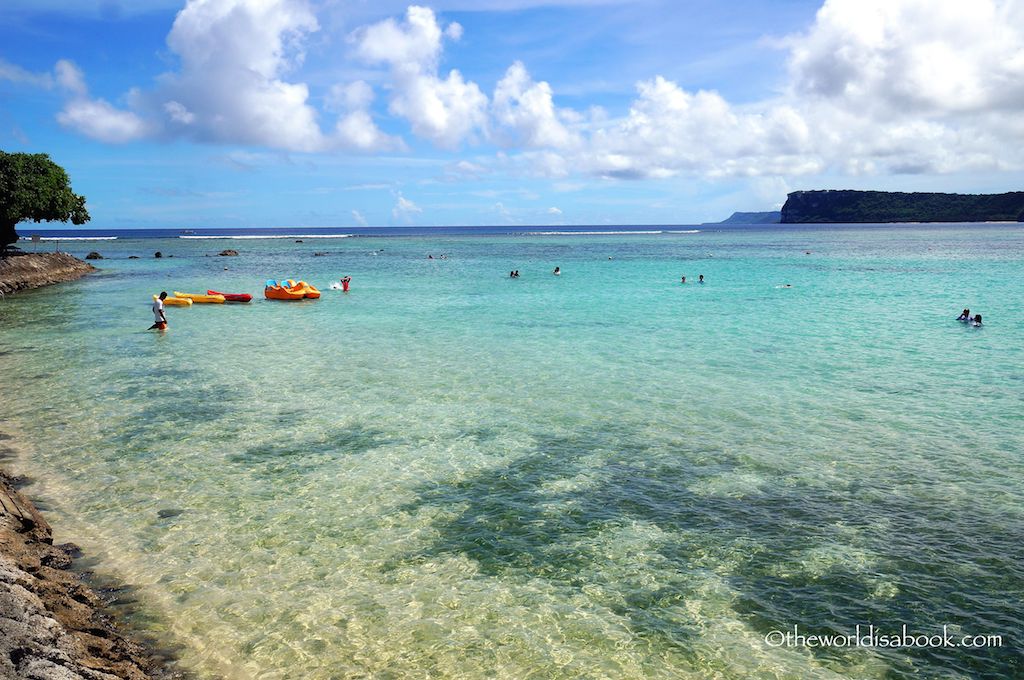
{"x": 344, "y": 283}
{"x": 965, "y": 316}
{"x": 684, "y": 280}
{"x": 977, "y": 320}
{"x": 558, "y": 271}
{"x": 700, "y": 278}
{"x": 160, "y": 319}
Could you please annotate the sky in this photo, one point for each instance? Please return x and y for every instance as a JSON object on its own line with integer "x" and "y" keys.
{"x": 344, "y": 113}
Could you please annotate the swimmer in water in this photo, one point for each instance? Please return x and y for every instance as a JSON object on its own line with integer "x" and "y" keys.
{"x": 344, "y": 283}
{"x": 977, "y": 321}
{"x": 684, "y": 280}
{"x": 558, "y": 271}
{"x": 700, "y": 278}
{"x": 965, "y": 316}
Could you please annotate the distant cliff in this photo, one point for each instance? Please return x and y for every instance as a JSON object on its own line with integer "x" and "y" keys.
{"x": 887, "y": 206}
{"x": 771, "y": 217}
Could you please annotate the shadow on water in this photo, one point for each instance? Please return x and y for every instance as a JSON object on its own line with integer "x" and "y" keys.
{"x": 290, "y": 457}
{"x": 960, "y": 566}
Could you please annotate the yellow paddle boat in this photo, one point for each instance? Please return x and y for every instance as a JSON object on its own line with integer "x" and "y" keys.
{"x": 175, "y": 301}
{"x": 200, "y": 298}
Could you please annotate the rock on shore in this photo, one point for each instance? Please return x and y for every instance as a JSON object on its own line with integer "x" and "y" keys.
{"x": 31, "y": 270}
{"x": 51, "y": 624}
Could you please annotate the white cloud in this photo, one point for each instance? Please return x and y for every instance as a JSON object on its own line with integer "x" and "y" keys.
{"x": 876, "y": 86}
{"x": 359, "y": 219}
{"x": 234, "y": 56}
{"x": 922, "y": 55}
{"x": 99, "y": 120}
{"x": 178, "y": 113}
{"x": 525, "y": 114}
{"x": 356, "y": 128}
{"x": 405, "y": 210}
{"x": 16, "y": 74}
{"x": 232, "y": 85}
{"x": 94, "y": 118}
{"x": 454, "y": 31}
{"x": 554, "y": 211}
{"x": 448, "y": 111}
{"x": 504, "y": 213}
{"x": 70, "y": 78}
{"x": 348, "y": 97}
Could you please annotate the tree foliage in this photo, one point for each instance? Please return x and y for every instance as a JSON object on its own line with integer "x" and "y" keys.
{"x": 889, "y": 206}
{"x": 33, "y": 187}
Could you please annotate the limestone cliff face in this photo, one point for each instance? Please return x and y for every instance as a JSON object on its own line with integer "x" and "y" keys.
{"x": 31, "y": 270}
{"x": 885, "y": 206}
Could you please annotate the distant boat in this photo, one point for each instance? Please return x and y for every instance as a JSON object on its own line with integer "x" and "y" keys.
{"x": 187, "y": 231}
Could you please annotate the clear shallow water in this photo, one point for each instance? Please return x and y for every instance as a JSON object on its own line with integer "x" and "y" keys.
{"x": 447, "y": 473}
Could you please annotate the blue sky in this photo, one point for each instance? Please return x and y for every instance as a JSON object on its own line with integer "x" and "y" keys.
{"x": 235, "y": 113}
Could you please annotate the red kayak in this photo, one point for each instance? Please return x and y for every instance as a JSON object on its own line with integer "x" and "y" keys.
{"x": 232, "y": 297}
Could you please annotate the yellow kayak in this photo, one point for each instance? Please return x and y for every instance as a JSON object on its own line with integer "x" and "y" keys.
{"x": 198, "y": 297}
{"x": 175, "y": 301}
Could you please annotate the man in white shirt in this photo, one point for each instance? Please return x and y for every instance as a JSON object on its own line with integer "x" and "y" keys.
{"x": 160, "y": 320}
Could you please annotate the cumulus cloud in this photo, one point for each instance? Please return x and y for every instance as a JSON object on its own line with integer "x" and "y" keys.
{"x": 348, "y": 97}
{"x": 99, "y": 120}
{"x": 876, "y": 86}
{"x": 448, "y": 111}
{"x": 232, "y": 86}
{"x": 554, "y": 211}
{"x": 356, "y": 128}
{"x": 920, "y": 55}
{"x": 358, "y": 218}
{"x": 94, "y": 118}
{"x": 234, "y": 57}
{"x": 525, "y": 114}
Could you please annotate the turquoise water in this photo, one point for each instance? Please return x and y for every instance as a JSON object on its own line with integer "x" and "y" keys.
{"x": 448, "y": 473}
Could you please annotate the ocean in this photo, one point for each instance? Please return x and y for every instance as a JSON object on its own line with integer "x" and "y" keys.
{"x": 450, "y": 473}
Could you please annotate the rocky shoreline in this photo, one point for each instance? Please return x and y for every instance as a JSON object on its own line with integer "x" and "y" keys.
{"x": 52, "y": 624}
{"x": 21, "y": 271}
